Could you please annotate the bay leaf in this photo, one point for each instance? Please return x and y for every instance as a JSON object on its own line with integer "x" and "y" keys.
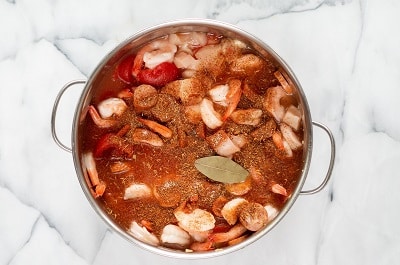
{"x": 221, "y": 169}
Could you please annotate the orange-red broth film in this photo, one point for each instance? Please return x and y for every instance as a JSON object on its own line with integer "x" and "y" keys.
{"x": 177, "y": 99}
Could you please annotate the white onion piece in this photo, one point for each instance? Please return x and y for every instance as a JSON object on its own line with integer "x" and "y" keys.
{"x": 292, "y": 117}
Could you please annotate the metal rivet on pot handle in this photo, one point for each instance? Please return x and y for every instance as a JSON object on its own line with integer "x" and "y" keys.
{"x": 54, "y": 112}
{"x": 332, "y": 161}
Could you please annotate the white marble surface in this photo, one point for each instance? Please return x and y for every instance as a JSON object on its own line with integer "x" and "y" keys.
{"x": 345, "y": 53}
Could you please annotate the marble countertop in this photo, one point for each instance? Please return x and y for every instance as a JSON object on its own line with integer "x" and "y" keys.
{"x": 346, "y": 56}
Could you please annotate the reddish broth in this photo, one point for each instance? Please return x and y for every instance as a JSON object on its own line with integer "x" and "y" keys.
{"x": 169, "y": 170}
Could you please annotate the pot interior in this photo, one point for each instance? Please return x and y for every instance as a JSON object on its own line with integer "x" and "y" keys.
{"x": 104, "y": 76}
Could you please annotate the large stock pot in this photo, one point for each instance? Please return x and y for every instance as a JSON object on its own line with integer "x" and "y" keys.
{"x": 137, "y": 40}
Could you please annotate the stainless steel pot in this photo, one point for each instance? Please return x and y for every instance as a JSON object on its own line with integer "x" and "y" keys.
{"x": 185, "y": 26}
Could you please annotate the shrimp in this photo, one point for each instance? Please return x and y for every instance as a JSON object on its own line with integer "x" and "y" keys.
{"x": 286, "y": 85}
{"x": 146, "y": 136}
{"x": 111, "y": 106}
{"x": 253, "y": 216}
{"x": 279, "y": 189}
{"x": 114, "y": 142}
{"x": 198, "y": 220}
{"x": 282, "y": 144}
{"x": 136, "y": 191}
{"x": 227, "y": 95}
{"x": 218, "y": 204}
{"x": 247, "y": 63}
{"x": 153, "y": 54}
{"x": 142, "y": 234}
{"x": 233, "y": 97}
{"x": 237, "y": 240}
{"x": 173, "y": 235}
{"x": 199, "y": 236}
{"x": 218, "y": 94}
{"x": 190, "y": 90}
{"x": 202, "y": 246}
{"x": 210, "y": 53}
{"x": 107, "y": 109}
{"x": 125, "y": 93}
{"x": 256, "y": 175}
{"x": 272, "y": 102}
{"x": 97, "y": 187}
{"x": 222, "y": 144}
{"x": 232, "y": 208}
{"x": 156, "y": 127}
{"x": 240, "y": 188}
{"x": 290, "y": 136}
{"x": 209, "y": 116}
{"x": 185, "y": 61}
{"x": 247, "y": 116}
{"x": 233, "y": 233}
{"x": 99, "y": 121}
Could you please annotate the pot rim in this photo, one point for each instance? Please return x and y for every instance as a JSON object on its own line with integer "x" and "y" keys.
{"x": 179, "y": 26}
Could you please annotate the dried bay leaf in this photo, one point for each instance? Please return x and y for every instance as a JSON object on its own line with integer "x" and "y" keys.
{"x": 221, "y": 169}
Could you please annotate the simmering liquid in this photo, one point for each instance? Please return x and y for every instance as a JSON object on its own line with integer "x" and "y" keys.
{"x": 251, "y": 109}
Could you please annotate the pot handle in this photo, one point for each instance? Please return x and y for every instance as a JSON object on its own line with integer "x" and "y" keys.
{"x": 332, "y": 161}
{"x": 54, "y": 112}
